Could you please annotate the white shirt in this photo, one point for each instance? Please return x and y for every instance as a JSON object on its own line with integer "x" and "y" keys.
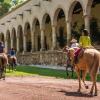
{"x": 74, "y": 45}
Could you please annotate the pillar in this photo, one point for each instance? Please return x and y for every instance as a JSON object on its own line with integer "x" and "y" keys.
{"x": 68, "y": 23}
{"x": 17, "y": 44}
{"x": 11, "y": 42}
{"x": 87, "y": 22}
{"x": 33, "y": 41}
{"x": 53, "y": 37}
{"x": 42, "y": 40}
{"x": 24, "y": 43}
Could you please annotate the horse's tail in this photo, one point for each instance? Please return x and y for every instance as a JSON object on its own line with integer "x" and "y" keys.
{"x": 1, "y": 60}
{"x": 14, "y": 60}
{"x": 96, "y": 63}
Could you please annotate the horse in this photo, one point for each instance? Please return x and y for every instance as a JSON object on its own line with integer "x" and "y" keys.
{"x": 3, "y": 64}
{"x": 12, "y": 62}
{"x": 89, "y": 61}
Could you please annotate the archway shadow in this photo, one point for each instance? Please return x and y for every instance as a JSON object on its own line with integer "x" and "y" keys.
{"x": 75, "y": 94}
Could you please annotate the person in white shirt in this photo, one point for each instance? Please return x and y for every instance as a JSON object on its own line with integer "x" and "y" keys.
{"x": 74, "y": 43}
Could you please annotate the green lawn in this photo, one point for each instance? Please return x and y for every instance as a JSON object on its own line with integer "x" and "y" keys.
{"x": 32, "y": 70}
{"x": 8, "y": 1}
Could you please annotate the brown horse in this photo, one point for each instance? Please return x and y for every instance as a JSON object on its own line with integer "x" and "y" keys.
{"x": 12, "y": 62}
{"x": 88, "y": 62}
{"x": 3, "y": 64}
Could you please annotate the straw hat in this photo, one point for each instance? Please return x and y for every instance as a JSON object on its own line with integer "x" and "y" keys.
{"x": 73, "y": 41}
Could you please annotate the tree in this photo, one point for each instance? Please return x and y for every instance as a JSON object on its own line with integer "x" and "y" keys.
{"x": 8, "y": 6}
{"x": 1, "y": 1}
{"x": 4, "y": 7}
{"x": 15, "y": 3}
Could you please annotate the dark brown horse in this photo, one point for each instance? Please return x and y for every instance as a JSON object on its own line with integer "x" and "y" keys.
{"x": 3, "y": 64}
{"x": 12, "y": 62}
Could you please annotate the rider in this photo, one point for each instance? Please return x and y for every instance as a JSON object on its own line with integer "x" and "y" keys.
{"x": 74, "y": 43}
{"x": 2, "y": 47}
{"x": 84, "y": 42}
{"x": 12, "y": 52}
{"x": 2, "y": 51}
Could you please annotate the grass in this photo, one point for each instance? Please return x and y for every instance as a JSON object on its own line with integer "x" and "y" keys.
{"x": 7, "y": 1}
{"x": 32, "y": 70}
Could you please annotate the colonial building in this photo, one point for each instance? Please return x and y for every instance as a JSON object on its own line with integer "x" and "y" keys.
{"x": 37, "y": 29}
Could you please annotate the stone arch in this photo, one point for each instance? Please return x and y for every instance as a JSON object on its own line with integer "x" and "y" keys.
{"x": 27, "y": 31}
{"x": 60, "y": 25}
{"x": 14, "y": 39}
{"x": 95, "y": 22}
{"x": 72, "y": 7}
{"x": 2, "y": 37}
{"x": 36, "y": 34}
{"x": 56, "y": 15}
{"x": 88, "y": 7}
{"x": 35, "y": 22}
{"x": 76, "y": 19}
{"x": 46, "y": 24}
{"x": 20, "y": 36}
{"x": 8, "y": 38}
{"x": 46, "y": 17}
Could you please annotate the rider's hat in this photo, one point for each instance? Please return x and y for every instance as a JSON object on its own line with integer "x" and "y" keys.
{"x": 73, "y": 41}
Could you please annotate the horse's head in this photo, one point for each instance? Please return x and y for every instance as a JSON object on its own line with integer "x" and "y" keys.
{"x": 71, "y": 52}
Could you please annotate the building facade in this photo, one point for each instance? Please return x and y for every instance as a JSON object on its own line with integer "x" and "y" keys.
{"x": 39, "y": 28}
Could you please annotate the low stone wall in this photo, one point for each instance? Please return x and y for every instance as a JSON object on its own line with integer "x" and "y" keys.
{"x": 42, "y": 58}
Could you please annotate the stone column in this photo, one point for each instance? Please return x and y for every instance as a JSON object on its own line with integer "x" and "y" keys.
{"x": 12, "y": 43}
{"x": 32, "y": 39}
{"x": 54, "y": 44}
{"x": 18, "y": 44}
{"x": 87, "y": 22}
{"x": 6, "y": 45}
{"x": 24, "y": 43}
{"x": 68, "y": 23}
{"x": 42, "y": 40}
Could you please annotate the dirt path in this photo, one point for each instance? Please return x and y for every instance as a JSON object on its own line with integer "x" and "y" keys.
{"x": 42, "y": 88}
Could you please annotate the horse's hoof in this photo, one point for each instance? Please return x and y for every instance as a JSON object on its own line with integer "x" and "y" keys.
{"x": 91, "y": 94}
{"x": 95, "y": 94}
{"x": 79, "y": 91}
{"x": 87, "y": 87}
{"x": 3, "y": 78}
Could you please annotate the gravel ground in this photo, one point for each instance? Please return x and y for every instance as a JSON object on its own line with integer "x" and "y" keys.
{"x": 43, "y": 88}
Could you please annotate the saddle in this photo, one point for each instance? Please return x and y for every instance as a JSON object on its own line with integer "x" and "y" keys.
{"x": 78, "y": 54}
{"x": 81, "y": 53}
